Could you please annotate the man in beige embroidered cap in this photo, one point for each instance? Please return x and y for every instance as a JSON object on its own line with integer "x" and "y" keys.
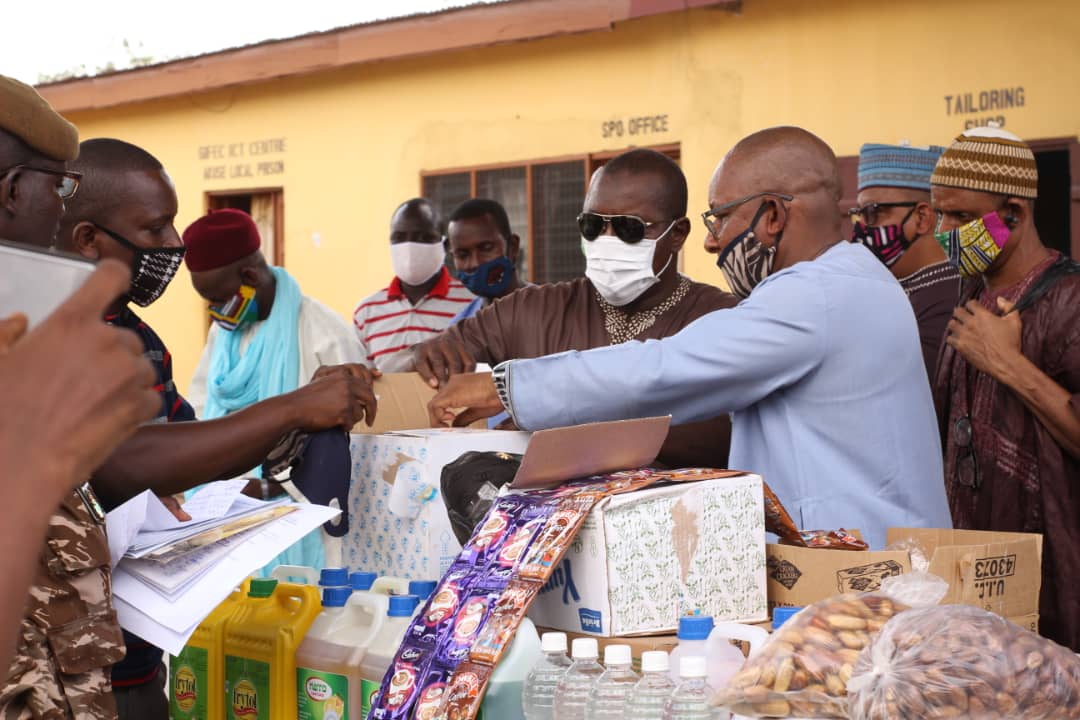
{"x": 633, "y": 226}
{"x": 1008, "y": 385}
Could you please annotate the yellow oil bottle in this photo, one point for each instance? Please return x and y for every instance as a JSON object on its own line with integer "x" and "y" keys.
{"x": 260, "y": 643}
{"x": 197, "y": 674}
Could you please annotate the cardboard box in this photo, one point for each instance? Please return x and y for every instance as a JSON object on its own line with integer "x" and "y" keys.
{"x": 644, "y": 559}
{"x": 398, "y": 521}
{"x": 403, "y": 404}
{"x": 799, "y": 576}
{"x": 997, "y": 571}
{"x": 1000, "y": 572}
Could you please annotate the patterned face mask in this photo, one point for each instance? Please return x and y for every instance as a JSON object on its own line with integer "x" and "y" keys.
{"x": 745, "y": 262}
{"x": 887, "y": 242}
{"x": 973, "y": 248}
{"x": 152, "y": 269}
{"x": 238, "y": 311}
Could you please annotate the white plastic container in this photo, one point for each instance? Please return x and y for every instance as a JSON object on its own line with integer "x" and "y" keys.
{"x": 383, "y": 646}
{"x": 690, "y": 700}
{"x": 328, "y": 660}
{"x": 699, "y": 637}
{"x": 296, "y": 573}
{"x": 389, "y": 585}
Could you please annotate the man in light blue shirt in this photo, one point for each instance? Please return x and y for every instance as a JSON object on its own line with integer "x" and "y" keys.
{"x": 820, "y": 364}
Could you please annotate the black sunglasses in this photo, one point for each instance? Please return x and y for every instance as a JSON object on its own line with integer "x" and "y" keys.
{"x": 868, "y": 213}
{"x": 66, "y": 185}
{"x": 628, "y": 228}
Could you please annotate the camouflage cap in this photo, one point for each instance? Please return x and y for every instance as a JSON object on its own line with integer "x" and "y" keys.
{"x": 29, "y": 117}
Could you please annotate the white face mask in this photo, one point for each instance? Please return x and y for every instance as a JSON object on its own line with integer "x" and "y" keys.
{"x": 416, "y": 263}
{"x": 622, "y": 272}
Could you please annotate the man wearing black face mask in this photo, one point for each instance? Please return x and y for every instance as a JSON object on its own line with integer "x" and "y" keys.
{"x": 126, "y": 211}
{"x": 484, "y": 251}
{"x": 820, "y": 364}
{"x": 894, "y": 220}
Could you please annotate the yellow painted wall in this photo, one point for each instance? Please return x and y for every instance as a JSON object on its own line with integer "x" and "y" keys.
{"x": 357, "y": 139}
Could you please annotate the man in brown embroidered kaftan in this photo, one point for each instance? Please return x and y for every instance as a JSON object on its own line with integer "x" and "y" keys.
{"x": 633, "y": 226}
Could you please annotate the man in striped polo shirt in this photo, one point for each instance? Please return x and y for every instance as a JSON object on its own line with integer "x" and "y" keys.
{"x": 420, "y": 301}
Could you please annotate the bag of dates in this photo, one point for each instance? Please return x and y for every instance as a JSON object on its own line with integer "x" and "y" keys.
{"x": 958, "y": 661}
{"x": 803, "y": 669}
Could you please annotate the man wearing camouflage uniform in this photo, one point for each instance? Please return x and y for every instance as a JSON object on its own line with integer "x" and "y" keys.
{"x": 69, "y": 637}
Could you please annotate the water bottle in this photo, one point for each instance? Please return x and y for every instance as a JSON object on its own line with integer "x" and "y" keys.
{"x": 648, "y": 698}
{"x": 607, "y": 701}
{"x": 690, "y": 701}
{"x": 572, "y": 692}
{"x": 538, "y": 692}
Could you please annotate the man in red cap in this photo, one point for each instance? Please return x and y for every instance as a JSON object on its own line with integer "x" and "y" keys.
{"x": 266, "y": 338}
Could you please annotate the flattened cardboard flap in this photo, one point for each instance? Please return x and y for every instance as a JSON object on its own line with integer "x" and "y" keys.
{"x": 560, "y": 454}
{"x": 403, "y": 405}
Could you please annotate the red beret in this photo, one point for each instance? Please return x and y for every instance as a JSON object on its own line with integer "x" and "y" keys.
{"x": 219, "y": 239}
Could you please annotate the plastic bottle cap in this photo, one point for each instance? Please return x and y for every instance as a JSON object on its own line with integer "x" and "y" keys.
{"x": 585, "y": 649}
{"x": 655, "y": 661}
{"x": 781, "y": 615}
{"x": 402, "y": 605}
{"x": 692, "y": 667}
{"x": 695, "y": 627}
{"x": 422, "y": 588}
{"x": 262, "y": 587}
{"x": 362, "y": 580}
{"x": 334, "y": 577}
{"x": 335, "y": 596}
{"x": 553, "y": 642}
{"x": 617, "y": 655}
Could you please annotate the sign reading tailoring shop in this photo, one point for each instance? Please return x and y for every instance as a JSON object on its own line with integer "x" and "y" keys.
{"x": 243, "y": 160}
{"x": 981, "y": 107}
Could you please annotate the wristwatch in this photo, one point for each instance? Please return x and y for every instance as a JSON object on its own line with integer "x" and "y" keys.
{"x": 500, "y": 374}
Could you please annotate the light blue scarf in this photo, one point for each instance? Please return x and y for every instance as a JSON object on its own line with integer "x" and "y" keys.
{"x": 269, "y": 366}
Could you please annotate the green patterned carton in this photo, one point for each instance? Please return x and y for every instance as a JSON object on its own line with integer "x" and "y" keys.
{"x": 644, "y": 559}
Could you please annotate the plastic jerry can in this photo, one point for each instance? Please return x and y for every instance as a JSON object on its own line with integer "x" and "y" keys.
{"x": 261, "y": 639}
{"x": 328, "y": 661}
{"x": 383, "y": 646}
{"x": 389, "y": 585}
{"x": 197, "y": 674}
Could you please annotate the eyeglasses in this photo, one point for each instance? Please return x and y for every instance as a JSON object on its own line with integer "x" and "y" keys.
{"x": 67, "y": 184}
{"x": 967, "y": 467}
{"x": 868, "y": 213}
{"x": 714, "y": 217}
{"x": 628, "y": 228}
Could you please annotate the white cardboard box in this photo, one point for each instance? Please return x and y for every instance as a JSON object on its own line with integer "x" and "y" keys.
{"x": 387, "y": 542}
{"x": 644, "y": 559}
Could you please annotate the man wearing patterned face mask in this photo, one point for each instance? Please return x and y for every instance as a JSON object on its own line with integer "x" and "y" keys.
{"x": 126, "y": 211}
{"x": 894, "y": 220}
{"x": 639, "y": 200}
{"x": 1008, "y": 384}
{"x": 820, "y": 364}
{"x": 420, "y": 302}
{"x": 484, "y": 251}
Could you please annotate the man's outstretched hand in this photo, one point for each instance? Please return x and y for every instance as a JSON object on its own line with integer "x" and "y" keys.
{"x": 464, "y": 399}
{"x": 337, "y": 396}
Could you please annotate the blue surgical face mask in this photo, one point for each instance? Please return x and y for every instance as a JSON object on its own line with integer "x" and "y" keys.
{"x": 491, "y": 279}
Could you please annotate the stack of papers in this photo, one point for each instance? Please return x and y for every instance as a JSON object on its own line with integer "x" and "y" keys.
{"x": 169, "y": 575}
